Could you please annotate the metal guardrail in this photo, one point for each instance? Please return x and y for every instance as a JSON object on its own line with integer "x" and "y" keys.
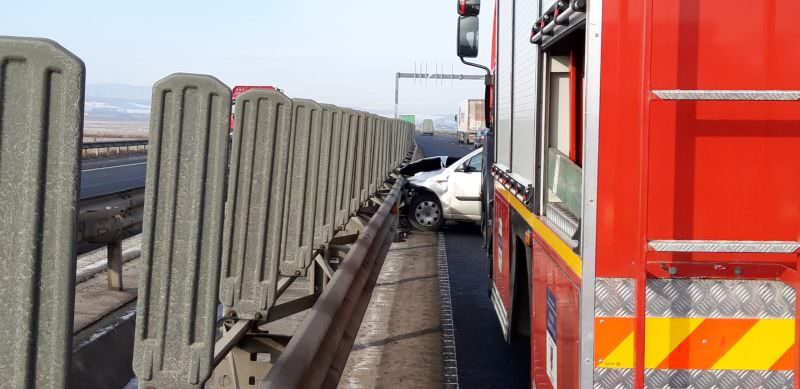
{"x": 317, "y": 354}
{"x": 107, "y": 220}
{"x": 98, "y": 149}
{"x": 113, "y": 144}
{"x": 302, "y": 182}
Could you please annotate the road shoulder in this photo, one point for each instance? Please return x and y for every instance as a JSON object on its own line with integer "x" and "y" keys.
{"x": 399, "y": 343}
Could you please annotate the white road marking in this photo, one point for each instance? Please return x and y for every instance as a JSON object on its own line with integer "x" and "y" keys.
{"x": 114, "y": 167}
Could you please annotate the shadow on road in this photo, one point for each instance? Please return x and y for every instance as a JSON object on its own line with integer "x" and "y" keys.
{"x": 485, "y": 360}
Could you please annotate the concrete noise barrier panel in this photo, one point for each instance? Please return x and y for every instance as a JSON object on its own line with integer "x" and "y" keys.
{"x": 256, "y": 203}
{"x": 304, "y": 160}
{"x": 182, "y": 231}
{"x": 41, "y": 122}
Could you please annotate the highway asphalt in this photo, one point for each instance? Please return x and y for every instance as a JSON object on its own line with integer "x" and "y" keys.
{"x": 110, "y": 175}
{"x": 484, "y": 359}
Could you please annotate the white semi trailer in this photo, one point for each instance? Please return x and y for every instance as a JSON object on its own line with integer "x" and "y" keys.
{"x": 470, "y": 119}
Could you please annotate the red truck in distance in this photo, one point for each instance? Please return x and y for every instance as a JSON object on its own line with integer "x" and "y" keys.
{"x": 238, "y": 90}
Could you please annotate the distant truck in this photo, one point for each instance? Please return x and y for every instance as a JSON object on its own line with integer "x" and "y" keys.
{"x": 470, "y": 119}
{"x": 427, "y": 127}
{"x": 238, "y": 90}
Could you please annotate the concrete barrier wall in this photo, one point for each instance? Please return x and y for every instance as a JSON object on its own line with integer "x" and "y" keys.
{"x": 219, "y": 226}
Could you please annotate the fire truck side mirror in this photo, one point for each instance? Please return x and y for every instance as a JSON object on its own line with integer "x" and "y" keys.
{"x": 469, "y": 7}
{"x": 468, "y": 36}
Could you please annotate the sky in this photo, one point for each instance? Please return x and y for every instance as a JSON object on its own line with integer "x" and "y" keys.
{"x": 343, "y": 52}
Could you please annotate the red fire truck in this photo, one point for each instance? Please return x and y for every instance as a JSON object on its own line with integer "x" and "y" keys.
{"x": 644, "y": 200}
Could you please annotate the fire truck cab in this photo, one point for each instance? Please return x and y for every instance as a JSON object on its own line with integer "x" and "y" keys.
{"x": 644, "y": 206}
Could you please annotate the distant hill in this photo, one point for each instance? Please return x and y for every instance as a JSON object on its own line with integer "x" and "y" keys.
{"x": 117, "y": 102}
{"x": 118, "y": 91}
{"x": 122, "y": 102}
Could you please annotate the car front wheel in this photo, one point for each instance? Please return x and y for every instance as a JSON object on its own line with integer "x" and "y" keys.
{"x": 425, "y": 212}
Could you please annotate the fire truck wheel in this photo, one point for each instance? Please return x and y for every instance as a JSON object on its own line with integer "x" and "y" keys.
{"x": 425, "y": 212}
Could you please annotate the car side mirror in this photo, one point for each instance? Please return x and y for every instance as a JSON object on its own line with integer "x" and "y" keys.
{"x": 465, "y": 168}
{"x": 468, "y": 36}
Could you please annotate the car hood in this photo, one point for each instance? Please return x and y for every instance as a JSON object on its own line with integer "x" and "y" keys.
{"x": 435, "y": 181}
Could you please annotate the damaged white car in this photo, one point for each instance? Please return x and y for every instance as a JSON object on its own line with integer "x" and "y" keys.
{"x": 451, "y": 192}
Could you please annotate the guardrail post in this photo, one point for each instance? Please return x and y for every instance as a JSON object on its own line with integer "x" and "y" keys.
{"x": 41, "y": 121}
{"x": 114, "y": 251}
{"x": 182, "y": 232}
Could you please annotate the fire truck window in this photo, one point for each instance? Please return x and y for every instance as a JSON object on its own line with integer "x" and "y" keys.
{"x": 558, "y": 115}
{"x": 564, "y": 178}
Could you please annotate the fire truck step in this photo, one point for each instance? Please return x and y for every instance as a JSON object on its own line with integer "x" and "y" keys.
{"x": 724, "y": 246}
{"x": 728, "y": 95}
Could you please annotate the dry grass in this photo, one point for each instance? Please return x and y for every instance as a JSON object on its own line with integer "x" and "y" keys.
{"x": 109, "y": 130}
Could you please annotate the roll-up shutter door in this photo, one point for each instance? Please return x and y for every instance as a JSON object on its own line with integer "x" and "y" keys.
{"x": 503, "y": 78}
{"x": 524, "y": 109}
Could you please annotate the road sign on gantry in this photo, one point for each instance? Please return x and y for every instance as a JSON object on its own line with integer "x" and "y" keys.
{"x": 254, "y": 215}
{"x": 182, "y": 231}
{"x": 41, "y": 118}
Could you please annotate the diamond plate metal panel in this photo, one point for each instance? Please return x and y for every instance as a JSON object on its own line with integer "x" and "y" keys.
{"x": 745, "y": 95}
{"x": 720, "y": 298}
{"x": 613, "y": 378}
{"x": 300, "y": 214}
{"x": 329, "y": 167}
{"x": 182, "y": 231}
{"x": 724, "y": 246}
{"x": 717, "y": 379}
{"x": 615, "y": 297}
{"x": 41, "y": 122}
{"x": 255, "y": 205}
